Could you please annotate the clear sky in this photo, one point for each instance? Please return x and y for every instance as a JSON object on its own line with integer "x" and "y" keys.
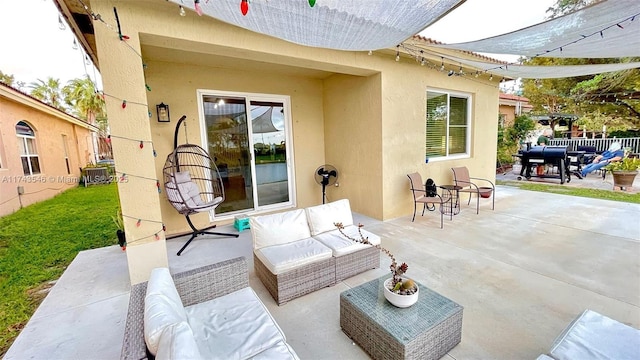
{"x": 33, "y": 47}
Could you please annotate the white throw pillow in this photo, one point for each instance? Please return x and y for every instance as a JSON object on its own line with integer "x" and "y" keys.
{"x": 162, "y": 307}
{"x": 323, "y": 217}
{"x": 178, "y": 343}
{"x": 279, "y": 228}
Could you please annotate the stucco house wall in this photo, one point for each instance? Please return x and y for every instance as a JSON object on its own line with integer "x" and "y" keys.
{"x": 49, "y": 125}
{"x": 512, "y": 106}
{"x": 364, "y": 114}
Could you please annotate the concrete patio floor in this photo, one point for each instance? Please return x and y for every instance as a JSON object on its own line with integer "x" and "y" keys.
{"x": 521, "y": 272}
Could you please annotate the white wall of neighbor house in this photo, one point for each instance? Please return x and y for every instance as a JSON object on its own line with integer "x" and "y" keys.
{"x": 363, "y": 114}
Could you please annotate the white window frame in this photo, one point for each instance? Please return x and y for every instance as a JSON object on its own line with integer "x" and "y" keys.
{"x": 469, "y": 124}
{"x": 286, "y": 101}
{"x": 24, "y": 139}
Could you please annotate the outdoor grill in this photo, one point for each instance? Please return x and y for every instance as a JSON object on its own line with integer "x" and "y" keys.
{"x": 541, "y": 155}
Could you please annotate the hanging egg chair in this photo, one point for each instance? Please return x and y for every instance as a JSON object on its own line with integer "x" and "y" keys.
{"x": 192, "y": 183}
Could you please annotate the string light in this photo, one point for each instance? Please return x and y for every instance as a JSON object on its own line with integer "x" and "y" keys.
{"x": 442, "y": 64}
{"x": 182, "y": 12}
{"x": 244, "y": 7}
{"x": 422, "y": 60}
{"x": 61, "y": 24}
{"x": 370, "y": 53}
{"x": 397, "y": 52}
{"x": 75, "y": 44}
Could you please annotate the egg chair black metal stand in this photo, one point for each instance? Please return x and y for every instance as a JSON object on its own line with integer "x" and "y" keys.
{"x": 193, "y": 184}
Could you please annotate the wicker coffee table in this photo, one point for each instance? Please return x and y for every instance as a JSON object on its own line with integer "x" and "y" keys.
{"x": 426, "y": 330}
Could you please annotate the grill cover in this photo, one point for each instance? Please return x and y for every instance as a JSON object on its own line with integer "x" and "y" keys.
{"x": 545, "y": 152}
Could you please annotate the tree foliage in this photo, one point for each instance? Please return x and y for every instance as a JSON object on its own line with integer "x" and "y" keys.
{"x": 48, "y": 91}
{"x": 509, "y": 138}
{"x": 610, "y": 99}
{"x": 6, "y": 78}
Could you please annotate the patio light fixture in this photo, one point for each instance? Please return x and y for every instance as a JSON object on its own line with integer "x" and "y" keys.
{"x": 162, "y": 111}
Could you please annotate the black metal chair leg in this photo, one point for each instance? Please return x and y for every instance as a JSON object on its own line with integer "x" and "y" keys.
{"x": 197, "y": 232}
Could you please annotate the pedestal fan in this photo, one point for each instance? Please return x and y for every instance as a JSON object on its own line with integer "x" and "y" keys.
{"x": 326, "y": 175}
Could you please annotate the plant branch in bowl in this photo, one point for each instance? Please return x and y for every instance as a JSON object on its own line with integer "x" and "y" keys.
{"x": 399, "y": 286}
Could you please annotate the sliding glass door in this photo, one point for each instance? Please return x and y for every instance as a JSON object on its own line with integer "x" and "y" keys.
{"x": 247, "y": 136}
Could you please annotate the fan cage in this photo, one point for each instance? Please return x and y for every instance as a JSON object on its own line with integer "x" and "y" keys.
{"x": 203, "y": 172}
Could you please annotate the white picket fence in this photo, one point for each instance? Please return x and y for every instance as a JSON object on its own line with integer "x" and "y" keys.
{"x": 600, "y": 145}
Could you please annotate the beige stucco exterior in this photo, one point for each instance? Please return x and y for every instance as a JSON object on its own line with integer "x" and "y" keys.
{"x": 364, "y": 114}
{"x": 52, "y": 129}
{"x": 511, "y": 106}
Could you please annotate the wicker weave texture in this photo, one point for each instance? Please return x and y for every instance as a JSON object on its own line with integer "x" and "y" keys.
{"x": 296, "y": 282}
{"x": 194, "y": 286}
{"x": 357, "y": 262}
{"x": 427, "y": 331}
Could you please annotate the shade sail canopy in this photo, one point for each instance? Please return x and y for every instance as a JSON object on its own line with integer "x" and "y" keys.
{"x": 263, "y": 124}
{"x": 334, "y": 24}
{"x": 608, "y": 29}
{"x": 545, "y": 72}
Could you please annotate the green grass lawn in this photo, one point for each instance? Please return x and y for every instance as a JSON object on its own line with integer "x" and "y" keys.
{"x": 573, "y": 191}
{"x": 38, "y": 242}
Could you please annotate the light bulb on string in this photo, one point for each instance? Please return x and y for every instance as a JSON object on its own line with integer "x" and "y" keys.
{"x": 61, "y": 24}
{"x": 182, "y": 12}
{"x": 370, "y": 53}
{"x": 244, "y": 7}
{"x": 86, "y": 59}
{"x": 442, "y": 64}
{"x": 422, "y": 60}
{"x": 490, "y": 77}
{"x": 75, "y": 44}
{"x": 398, "y": 53}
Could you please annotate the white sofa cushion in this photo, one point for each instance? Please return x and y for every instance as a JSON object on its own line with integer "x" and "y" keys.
{"x": 322, "y": 217}
{"x": 279, "y": 228}
{"x": 284, "y": 257}
{"x": 280, "y": 351}
{"x": 178, "y": 343}
{"x": 162, "y": 307}
{"x": 233, "y": 326}
{"x": 341, "y": 245}
{"x": 595, "y": 336}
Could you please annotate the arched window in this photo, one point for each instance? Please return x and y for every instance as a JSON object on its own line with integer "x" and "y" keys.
{"x": 28, "y": 150}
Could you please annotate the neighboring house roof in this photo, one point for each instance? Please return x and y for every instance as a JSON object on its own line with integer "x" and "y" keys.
{"x": 18, "y": 96}
{"x": 512, "y": 100}
{"x": 513, "y": 97}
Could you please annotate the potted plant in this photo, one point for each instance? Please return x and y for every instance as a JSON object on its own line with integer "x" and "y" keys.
{"x": 399, "y": 291}
{"x": 624, "y": 171}
{"x": 117, "y": 219}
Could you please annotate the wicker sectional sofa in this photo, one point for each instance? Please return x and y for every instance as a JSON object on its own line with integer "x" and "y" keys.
{"x": 206, "y": 313}
{"x": 299, "y": 251}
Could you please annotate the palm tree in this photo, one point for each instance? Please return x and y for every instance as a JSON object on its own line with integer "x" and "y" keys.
{"x": 48, "y": 92}
{"x": 6, "y": 78}
{"x": 87, "y": 104}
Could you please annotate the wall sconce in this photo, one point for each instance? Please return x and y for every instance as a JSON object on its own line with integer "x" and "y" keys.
{"x": 162, "y": 111}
